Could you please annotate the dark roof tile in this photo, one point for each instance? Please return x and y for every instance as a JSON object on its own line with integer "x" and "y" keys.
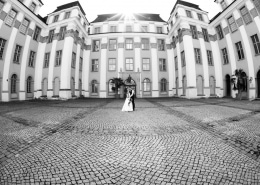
{"x": 69, "y": 5}
{"x": 184, "y": 3}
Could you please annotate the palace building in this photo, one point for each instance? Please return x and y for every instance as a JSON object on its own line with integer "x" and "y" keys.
{"x": 63, "y": 55}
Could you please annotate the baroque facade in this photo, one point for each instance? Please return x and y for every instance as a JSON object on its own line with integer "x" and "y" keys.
{"x": 63, "y": 55}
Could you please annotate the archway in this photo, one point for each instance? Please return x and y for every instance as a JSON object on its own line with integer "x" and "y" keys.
{"x": 44, "y": 87}
{"x": 228, "y": 86}
{"x": 258, "y": 84}
{"x": 129, "y": 83}
{"x": 212, "y": 85}
{"x": 200, "y": 90}
{"x": 56, "y": 87}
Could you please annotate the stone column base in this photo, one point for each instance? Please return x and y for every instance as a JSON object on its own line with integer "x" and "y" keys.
{"x": 65, "y": 94}
{"x": 155, "y": 93}
{"x": 102, "y": 94}
{"x": 5, "y": 97}
{"x": 191, "y": 93}
{"x": 22, "y": 96}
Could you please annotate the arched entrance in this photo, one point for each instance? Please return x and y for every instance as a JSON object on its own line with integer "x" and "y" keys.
{"x": 184, "y": 85}
{"x": 200, "y": 90}
{"x": 129, "y": 83}
{"x": 56, "y": 87}
{"x": 228, "y": 86}
{"x": 258, "y": 84}
{"x": 212, "y": 86}
{"x": 44, "y": 87}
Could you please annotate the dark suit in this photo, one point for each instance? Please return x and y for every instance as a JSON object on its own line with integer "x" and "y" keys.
{"x": 133, "y": 99}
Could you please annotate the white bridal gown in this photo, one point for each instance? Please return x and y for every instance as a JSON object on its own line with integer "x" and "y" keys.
{"x": 128, "y": 105}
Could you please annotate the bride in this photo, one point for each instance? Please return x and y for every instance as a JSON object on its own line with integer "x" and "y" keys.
{"x": 128, "y": 105}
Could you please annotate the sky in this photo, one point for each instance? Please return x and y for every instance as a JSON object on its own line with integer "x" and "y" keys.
{"x": 93, "y": 8}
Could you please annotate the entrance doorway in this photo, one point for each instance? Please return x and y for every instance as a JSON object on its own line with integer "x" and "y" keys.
{"x": 129, "y": 83}
{"x": 228, "y": 86}
{"x": 258, "y": 84}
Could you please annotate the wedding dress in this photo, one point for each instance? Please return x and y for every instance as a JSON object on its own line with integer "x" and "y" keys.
{"x": 128, "y": 105}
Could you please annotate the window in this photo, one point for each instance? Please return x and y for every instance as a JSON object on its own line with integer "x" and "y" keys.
{"x": 200, "y": 17}
{"x": 173, "y": 42}
{"x": 46, "y": 60}
{"x": 80, "y": 63}
{"x": 128, "y": 44}
{"x": 194, "y": 32}
{"x": 113, "y": 29}
{"x": 256, "y": 3}
{"x": 256, "y": 43}
{"x": 96, "y": 45}
{"x": 111, "y": 86}
{"x": 162, "y": 64}
{"x": 161, "y": 46}
{"x": 183, "y": 62}
{"x": 210, "y": 58}
{"x": 197, "y": 55}
{"x": 146, "y": 64}
{"x": 225, "y": 55}
{"x": 240, "y": 52}
{"x": 223, "y": 4}
{"x": 128, "y": 28}
{"x": 31, "y": 59}
{"x": 62, "y": 32}
{"x": 94, "y": 86}
{"x": 147, "y": 85}
{"x": 232, "y": 24}
{"x": 245, "y": 14}
{"x": 51, "y": 35}
{"x": 180, "y": 35}
{"x": 220, "y": 32}
{"x": 1, "y": 4}
{"x": 32, "y": 7}
{"x": 112, "y": 64}
{"x": 13, "y": 83}
{"x": 67, "y": 15}
{"x": 188, "y": 13}
{"x": 2, "y": 47}
{"x": 144, "y": 29}
{"x": 129, "y": 64}
{"x": 56, "y": 17}
{"x": 17, "y": 53}
{"x": 10, "y": 18}
{"x": 176, "y": 63}
{"x": 24, "y": 26}
{"x": 159, "y": 30}
{"x": 112, "y": 44}
{"x": 163, "y": 85}
{"x": 205, "y": 34}
{"x": 97, "y": 30}
{"x": 37, "y": 32}
{"x": 145, "y": 44}
{"x": 58, "y": 58}
{"x": 94, "y": 66}
{"x": 73, "y": 60}
{"x": 29, "y": 84}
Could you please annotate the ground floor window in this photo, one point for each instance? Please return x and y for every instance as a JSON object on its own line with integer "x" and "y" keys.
{"x": 163, "y": 85}
{"x": 147, "y": 85}
{"x": 13, "y": 83}
{"x": 94, "y": 86}
{"x": 29, "y": 84}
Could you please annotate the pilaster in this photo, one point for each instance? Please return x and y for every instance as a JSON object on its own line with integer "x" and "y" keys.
{"x": 77, "y": 70}
{"x": 120, "y": 59}
{"x": 180, "y": 77}
{"x": 85, "y": 70}
{"x": 103, "y": 70}
{"x": 171, "y": 67}
{"x": 155, "y": 72}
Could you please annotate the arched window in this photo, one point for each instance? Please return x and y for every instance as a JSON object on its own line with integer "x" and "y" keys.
{"x": 147, "y": 85}
{"x": 94, "y": 86}
{"x": 163, "y": 85}
{"x": 29, "y": 84}
{"x": 110, "y": 85}
{"x": 13, "y": 83}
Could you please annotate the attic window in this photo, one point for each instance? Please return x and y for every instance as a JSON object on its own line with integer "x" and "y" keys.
{"x": 33, "y": 7}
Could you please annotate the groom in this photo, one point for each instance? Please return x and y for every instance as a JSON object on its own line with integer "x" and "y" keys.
{"x": 132, "y": 97}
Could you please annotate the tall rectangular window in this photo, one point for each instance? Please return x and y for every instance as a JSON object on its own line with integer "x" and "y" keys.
{"x": 240, "y": 52}
{"x": 32, "y": 7}
{"x": 24, "y": 26}
{"x": 223, "y": 4}
{"x": 37, "y": 32}
{"x": 56, "y": 17}
{"x": 94, "y": 67}
{"x": 162, "y": 64}
{"x": 112, "y": 44}
{"x": 58, "y": 58}
{"x": 200, "y": 17}
{"x": 46, "y": 60}
{"x": 225, "y": 55}
{"x": 256, "y": 43}
{"x": 146, "y": 64}
{"x": 180, "y": 35}
{"x": 97, "y": 30}
{"x": 183, "y": 61}
{"x": 188, "y": 13}
{"x": 112, "y": 64}
{"x": 256, "y": 3}
{"x": 32, "y": 58}
{"x": 113, "y": 29}
{"x": 2, "y": 47}
{"x": 73, "y": 60}
{"x": 62, "y": 32}
{"x": 159, "y": 29}
{"x": 220, "y": 32}
{"x": 96, "y": 45}
{"x": 194, "y": 32}
{"x": 144, "y": 29}
{"x": 246, "y": 15}
{"x": 17, "y": 53}
{"x": 80, "y": 63}
{"x": 205, "y": 34}
{"x": 51, "y": 35}
{"x": 1, "y": 4}
{"x": 176, "y": 63}
{"x": 129, "y": 44}
{"x": 129, "y": 64}
{"x": 128, "y": 28}
{"x": 161, "y": 45}
{"x": 67, "y": 15}
{"x": 10, "y": 17}
{"x": 145, "y": 44}
{"x": 232, "y": 24}
{"x": 197, "y": 55}
{"x": 210, "y": 58}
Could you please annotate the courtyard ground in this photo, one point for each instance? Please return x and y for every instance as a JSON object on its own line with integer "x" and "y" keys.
{"x": 165, "y": 141}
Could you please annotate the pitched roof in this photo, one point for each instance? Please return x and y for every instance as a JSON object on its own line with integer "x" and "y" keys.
{"x": 40, "y": 1}
{"x": 122, "y": 17}
{"x": 69, "y": 5}
{"x": 184, "y": 3}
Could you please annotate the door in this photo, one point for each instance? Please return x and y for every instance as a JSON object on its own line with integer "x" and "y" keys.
{"x": 258, "y": 84}
{"x": 228, "y": 86}
{"x": 212, "y": 85}
{"x": 200, "y": 85}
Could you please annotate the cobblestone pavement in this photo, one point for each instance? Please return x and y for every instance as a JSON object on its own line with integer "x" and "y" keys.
{"x": 165, "y": 141}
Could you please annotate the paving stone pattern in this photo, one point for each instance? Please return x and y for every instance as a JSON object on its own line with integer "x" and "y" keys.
{"x": 165, "y": 141}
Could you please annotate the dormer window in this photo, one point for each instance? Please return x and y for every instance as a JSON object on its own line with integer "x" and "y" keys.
{"x": 144, "y": 29}
{"x": 67, "y": 15}
{"x": 32, "y": 7}
{"x": 128, "y": 28}
{"x": 159, "y": 30}
{"x": 188, "y": 13}
{"x": 113, "y": 29}
{"x": 97, "y": 30}
{"x": 200, "y": 17}
{"x": 56, "y": 17}
{"x": 223, "y": 4}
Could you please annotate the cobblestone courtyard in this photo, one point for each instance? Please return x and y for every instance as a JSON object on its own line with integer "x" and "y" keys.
{"x": 165, "y": 141}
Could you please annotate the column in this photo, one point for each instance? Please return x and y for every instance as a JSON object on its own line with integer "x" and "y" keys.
{"x": 77, "y": 70}
{"x": 180, "y": 76}
{"x": 137, "y": 64}
{"x": 155, "y": 72}
{"x": 120, "y": 57}
{"x": 103, "y": 70}
{"x": 85, "y": 70}
{"x": 171, "y": 67}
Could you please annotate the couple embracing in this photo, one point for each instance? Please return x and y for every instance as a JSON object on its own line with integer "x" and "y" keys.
{"x": 129, "y": 104}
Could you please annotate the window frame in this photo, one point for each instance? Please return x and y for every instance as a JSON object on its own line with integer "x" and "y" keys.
{"x": 129, "y": 66}
{"x": 32, "y": 58}
{"x": 231, "y": 23}
{"x": 37, "y": 32}
{"x": 197, "y": 52}
{"x": 200, "y": 17}
{"x": 55, "y": 18}
{"x": 146, "y": 65}
{"x": 256, "y": 43}
{"x": 96, "y": 46}
{"x": 112, "y": 66}
{"x": 210, "y": 58}
{"x": 194, "y": 31}
{"x": 163, "y": 84}
{"x": 159, "y": 30}
{"x": 73, "y": 60}
{"x": 205, "y": 34}
{"x": 128, "y": 28}
{"x": 9, "y": 20}
{"x": 183, "y": 60}
{"x": 188, "y": 13}
{"x": 13, "y": 87}
{"x": 51, "y": 36}
{"x": 144, "y": 45}
{"x": 240, "y": 51}
{"x": 161, "y": 44}
{"x": 2, "y": 3}
{"x": 225, "y": 56}
{"x": 246, "y": 15}
{"x": 2, "y": 47}
{"x": 29, "y": 86}
{"x": 46, "y": 60}
{"x": 147, "y": 85}
{"x": 58, "y": 58}
{"x": 130, "y": 45}
{"x": 176, "y": 63}
{"x": 162, "y": 64}
{"x": 17, "y": 54}
{"x": 113, "y": 29}
{"x": 62, "y": 32}
{"x": 220, "y": 32}
{"x": 23, "y": 27}
{"x": 80, "y": 63}
{"x": 67, "y": 15}
{"x": 33, "y": 8}
{"x": 94, "y": 86}
{"x": 94, "y": 65}
{"x": 112, "y": 46}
